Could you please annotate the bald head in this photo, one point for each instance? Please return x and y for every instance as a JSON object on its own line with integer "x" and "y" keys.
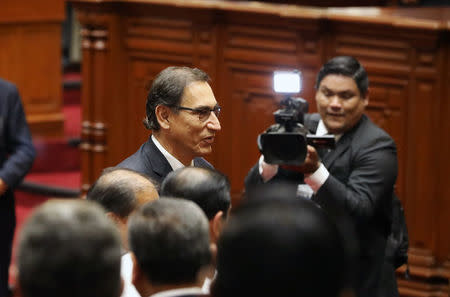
{"x": 121, "y": 191}
{"x": 208, "y": 188}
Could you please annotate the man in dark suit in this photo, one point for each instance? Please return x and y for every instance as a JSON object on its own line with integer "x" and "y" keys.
{"x": 356, "y": 179}
{"x": 16, "y": 157}
{"x": 169, "y": 240}
{"x": 182, "y": 113}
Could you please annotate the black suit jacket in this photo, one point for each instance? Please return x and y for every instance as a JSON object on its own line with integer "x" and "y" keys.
{"x": 363, "y": 171}
{"x": 150, "y": 161}
{"x": 16, "y": 157}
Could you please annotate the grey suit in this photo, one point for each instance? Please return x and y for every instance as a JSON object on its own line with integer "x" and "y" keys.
{"x": 363, "y": 171}
{"x": 150, "y": 161}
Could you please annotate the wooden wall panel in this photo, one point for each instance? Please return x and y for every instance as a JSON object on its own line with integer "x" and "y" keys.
{"x": 247, "y": 112}
{"x": 30, "y": 57}
{"x": 388, "y": 109}
{"x": 443, "y": 157}
{"x": 240, "y": 45}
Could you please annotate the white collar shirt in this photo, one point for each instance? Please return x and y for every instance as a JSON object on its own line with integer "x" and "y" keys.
{"x": 179, "y": 292}
{"x": 174, "y": 162}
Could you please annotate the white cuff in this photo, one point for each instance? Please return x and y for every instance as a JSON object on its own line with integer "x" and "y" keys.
{"x": 318, "y": 178}
{"x": 267, "y": 171}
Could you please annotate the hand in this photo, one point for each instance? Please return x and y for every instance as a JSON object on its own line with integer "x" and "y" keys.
{"x": 3, "y": 187}
{"x": 310, "y": 165}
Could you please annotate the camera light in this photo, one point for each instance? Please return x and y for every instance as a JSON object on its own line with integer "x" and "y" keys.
{"x": 287, "y": 81}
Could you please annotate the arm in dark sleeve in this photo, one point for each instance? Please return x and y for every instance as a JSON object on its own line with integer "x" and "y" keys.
{"x": 17, "y": 140}
{"x": 373, "y": 172}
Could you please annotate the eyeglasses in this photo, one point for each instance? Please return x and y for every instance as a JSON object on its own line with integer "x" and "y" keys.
{"x": 202, "y": 112}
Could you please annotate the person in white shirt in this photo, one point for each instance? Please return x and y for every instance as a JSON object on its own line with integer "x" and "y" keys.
{"x": 121, "y": 192}
{"x": 169, "y": 240}
{"x": 355, "y": 180}
{"x": 210, "y": 190}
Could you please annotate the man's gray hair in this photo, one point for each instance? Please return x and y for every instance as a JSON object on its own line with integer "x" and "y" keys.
{"x": 117, "y": 190}
{"x": 70, "y": 249}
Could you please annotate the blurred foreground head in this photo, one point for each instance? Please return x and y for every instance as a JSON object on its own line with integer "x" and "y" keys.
{"x": 70, "y": 249}
{"x": 169, "y": 239}
{"x": 282, "y": 247}
{"x": 208, "y": 188}
{"x": 121, "y": 191}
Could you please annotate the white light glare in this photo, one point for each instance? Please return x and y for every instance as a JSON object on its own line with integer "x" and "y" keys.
{"x": 287, "y": 81}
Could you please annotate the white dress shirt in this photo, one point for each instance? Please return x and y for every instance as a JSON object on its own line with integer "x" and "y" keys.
{"x": 174, "y": 162}
{"x": 179, "y": 292}
{"x": 126, "y": 271}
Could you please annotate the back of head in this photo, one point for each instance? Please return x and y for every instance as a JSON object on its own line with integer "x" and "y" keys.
{"x": 121, "y": 191}
{"x": 71, "y": 249}
{"x": 170, "y": 240}
{"x": 208, "y": 188}
{"x": 346, "y": 66}
{"x": 279, "y": 248}
{"x": 167, "y": 89}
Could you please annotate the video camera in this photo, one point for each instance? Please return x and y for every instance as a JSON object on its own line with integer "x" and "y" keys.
{"x": 285, "y": 142}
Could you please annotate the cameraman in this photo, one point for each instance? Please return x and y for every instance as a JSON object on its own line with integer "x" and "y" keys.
{"x": 356, "y": 179}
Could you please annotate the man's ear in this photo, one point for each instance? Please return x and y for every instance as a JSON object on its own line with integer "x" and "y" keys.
{"x": 162, "y": 115}
{"x": 366, "y": 98}
{"x": 217, "y": 226}
{"x": 112, "y": 216}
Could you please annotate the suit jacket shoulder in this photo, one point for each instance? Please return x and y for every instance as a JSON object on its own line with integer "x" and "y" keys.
{"x": 148, "y": 160}
{"x": 201, "y": 162}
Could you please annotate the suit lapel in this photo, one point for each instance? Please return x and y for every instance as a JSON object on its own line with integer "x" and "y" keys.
{"x": 341, "y": 146}
{"x": 159, "y": 163}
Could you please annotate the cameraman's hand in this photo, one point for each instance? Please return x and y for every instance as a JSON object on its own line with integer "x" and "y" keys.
{"x": 311, "y": 164}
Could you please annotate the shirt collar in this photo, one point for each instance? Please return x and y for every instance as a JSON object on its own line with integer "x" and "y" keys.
{"x": 179, "y": 292}
{"x": 174, "y": 162}
{"x": 322, "y": 130}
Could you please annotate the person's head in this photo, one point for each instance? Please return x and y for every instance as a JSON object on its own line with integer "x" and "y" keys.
{"x": 183, "y": 112}
{"x": 208, "y": 188}
{"x": 341, "y": 93}
{"x": 285, "y": 247}
{"x": 69, "y": 248}
{"x": 121, "y": 191}
{"x": 169, "y": 240}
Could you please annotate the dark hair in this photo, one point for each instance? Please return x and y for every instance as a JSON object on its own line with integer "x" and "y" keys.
{"x": 347, "y": 66}
{"x": 167, "y": 89}
{"x": 117, "y": 189}
{"x": 170, "y": 239}
{"x": 69, "y": 248}
{"x": 283, "y": 247}
{"x": 208, "y": 188}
